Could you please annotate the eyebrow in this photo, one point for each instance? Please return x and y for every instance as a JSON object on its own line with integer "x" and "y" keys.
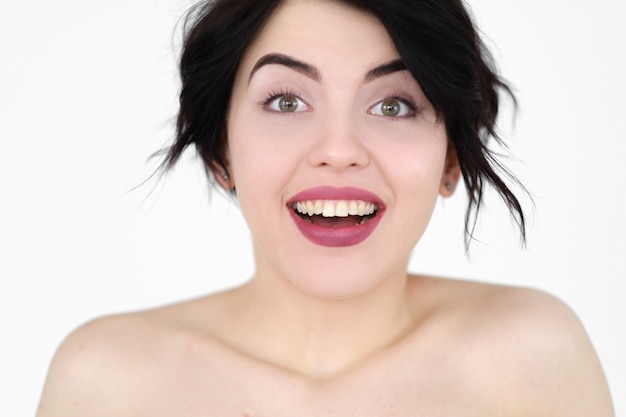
{"x": 312, "y": 72}
{"x": 385, "y": 69}
{"x": 280, "y": 59}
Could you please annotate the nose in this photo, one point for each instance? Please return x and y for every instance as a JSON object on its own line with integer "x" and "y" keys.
{"x": 338, "y": 145}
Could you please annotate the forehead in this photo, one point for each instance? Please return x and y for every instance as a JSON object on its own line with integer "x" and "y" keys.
{"x": 321, "y": 32}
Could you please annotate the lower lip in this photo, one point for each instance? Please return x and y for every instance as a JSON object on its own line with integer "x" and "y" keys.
{"x": 336, "y": 237}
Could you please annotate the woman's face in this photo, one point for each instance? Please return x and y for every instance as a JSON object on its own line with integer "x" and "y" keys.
{"x": 325, "y": 119}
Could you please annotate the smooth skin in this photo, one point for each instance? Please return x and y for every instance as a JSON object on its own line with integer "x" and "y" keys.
{"x": 322, "y": 331}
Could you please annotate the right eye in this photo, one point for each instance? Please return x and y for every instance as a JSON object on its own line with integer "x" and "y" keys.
{"x": 286, "y": 103}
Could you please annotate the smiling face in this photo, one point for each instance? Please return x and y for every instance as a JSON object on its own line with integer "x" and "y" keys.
{"x": 336, "y": 154}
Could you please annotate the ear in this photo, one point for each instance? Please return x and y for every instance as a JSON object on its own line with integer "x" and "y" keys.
{"x": 451, "y": 173}
{"x": 223, "y": 178}
{"x": 221, "y": 170}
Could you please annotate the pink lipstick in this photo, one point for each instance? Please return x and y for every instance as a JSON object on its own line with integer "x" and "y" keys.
{"x": 336, "y": 217}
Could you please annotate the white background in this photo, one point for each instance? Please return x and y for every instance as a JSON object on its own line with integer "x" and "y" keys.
{"x": 88, "y": 92}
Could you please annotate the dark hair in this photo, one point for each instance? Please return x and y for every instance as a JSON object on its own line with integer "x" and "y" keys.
{"x": 437, "y": 42}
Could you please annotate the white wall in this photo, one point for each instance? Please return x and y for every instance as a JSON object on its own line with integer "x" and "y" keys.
{"x": 88, "y": 91}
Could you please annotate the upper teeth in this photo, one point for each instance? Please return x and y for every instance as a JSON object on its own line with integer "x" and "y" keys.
{"x": 335, "y": 208}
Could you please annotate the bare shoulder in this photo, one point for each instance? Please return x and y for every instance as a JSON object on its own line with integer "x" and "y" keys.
{"x": 553, "y": 358}
{"x": 526, "y": 346}
{"x": 108, "y": 365}
{"x": 95, "y": 364}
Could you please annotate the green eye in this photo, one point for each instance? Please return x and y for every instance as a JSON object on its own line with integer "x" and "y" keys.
{"x": 288, "y": 104}
{"x": 390, "y": 107}
{"x": 394, "y": 107}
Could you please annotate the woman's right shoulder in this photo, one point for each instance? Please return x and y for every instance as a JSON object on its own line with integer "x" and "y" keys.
{"x": 95, "y": 364}
{"x": 107, "y": 359}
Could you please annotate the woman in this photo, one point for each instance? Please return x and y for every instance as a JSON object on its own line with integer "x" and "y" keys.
{"x": 337, "y": 124}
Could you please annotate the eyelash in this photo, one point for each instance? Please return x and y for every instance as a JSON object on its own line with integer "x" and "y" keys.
{"x": 278, "y": 94}
{"x": 412, "y": 106}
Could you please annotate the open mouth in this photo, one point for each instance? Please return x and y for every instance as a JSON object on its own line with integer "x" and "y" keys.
{"x": 335, "y": 213}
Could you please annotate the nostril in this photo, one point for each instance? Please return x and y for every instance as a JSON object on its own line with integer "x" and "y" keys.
{"x": 338, "y": 154}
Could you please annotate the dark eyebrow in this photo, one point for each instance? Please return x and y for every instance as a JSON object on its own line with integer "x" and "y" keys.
{"x": 312, "y": 72}
{"x": 280, "y": 59}
{"x": 385, "y": 69}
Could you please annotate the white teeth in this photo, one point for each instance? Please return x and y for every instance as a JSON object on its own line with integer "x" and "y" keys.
{"x": 361, "y": 208}
{"x": 353, "y": 209}
{"x": 335, "y": 208}
{"x": 341, "y": 209}
{"x": 329, "y": 209}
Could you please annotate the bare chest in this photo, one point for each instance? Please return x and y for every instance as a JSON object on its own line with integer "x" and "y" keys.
{"x": 238, "y": 391}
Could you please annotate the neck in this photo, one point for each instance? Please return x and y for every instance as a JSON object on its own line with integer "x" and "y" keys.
{"x": 321, "y": 337}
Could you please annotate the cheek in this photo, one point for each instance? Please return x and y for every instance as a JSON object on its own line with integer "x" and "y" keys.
{"x": 416, "y": 162}
{"x": 250, "y": 152}
{"x": 261, "y": 168}
{"x": 414, "y": 171}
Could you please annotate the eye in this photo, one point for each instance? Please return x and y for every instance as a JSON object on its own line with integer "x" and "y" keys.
{"x": 393, "y": 107}
{"x": 286, "y": 103}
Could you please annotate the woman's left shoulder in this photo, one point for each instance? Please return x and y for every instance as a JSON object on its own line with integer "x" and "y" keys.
{"x": 536, "y": 344}
{"x": 537, "y": 312}
{"x": 493, "y": 307}
{"x": 496, "y": 305}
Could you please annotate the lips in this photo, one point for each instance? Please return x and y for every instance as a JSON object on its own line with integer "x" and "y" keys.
{"x": 336, "y": 217}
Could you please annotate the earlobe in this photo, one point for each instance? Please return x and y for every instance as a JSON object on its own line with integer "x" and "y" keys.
{"x": 220, "y": 168}
{"x": 223, "y": 178}
{"x": 451, "y": 173}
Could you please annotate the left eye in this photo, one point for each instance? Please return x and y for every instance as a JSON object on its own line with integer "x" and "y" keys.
{"x": 286, "y": 103}
{"x": 393, "y": 107}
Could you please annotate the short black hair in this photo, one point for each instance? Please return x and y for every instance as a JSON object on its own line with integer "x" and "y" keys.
{"x": 437, "y": 41}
